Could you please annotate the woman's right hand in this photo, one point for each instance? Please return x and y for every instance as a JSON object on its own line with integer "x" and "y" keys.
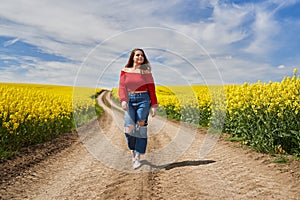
{"x": 124, "y": 105}
{"x": 153, "y": 111}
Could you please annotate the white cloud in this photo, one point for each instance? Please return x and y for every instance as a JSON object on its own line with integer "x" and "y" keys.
{"x": 225, "y": 27}
{"x": 96, "y": 34}
{"x": 41, "y": 72}
{"x": 265, "y": 28}
{"x": 10, "y": 42}
{"x": 254, "y": 71}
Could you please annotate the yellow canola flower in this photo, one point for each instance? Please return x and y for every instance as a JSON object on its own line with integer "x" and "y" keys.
{"x": 40, "y": 104}
{"x": 295, "y": 71}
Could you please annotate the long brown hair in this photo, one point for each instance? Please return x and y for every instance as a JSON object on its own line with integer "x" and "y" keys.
{"x": 145, "y": 67}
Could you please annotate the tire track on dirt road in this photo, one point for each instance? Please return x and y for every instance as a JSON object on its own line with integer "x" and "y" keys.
{"x": 143, "y": 183}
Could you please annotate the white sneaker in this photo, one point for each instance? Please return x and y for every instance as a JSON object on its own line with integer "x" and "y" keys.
{"x": 133, "y": 156}
{"x": 136, "y": 163}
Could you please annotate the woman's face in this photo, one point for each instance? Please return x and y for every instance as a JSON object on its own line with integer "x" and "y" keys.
{"x": 138, "y": 57}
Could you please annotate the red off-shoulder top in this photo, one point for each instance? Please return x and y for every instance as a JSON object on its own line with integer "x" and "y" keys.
{"x": 134, "y": 82}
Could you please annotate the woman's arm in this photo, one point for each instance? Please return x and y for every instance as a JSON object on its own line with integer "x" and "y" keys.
{"x": 122, "y": 88}
{"x": 151, "y": 90}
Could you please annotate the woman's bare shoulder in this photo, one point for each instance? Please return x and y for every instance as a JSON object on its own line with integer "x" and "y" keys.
{"x": 131, "y": 70}
{"x": 125, "y": 69}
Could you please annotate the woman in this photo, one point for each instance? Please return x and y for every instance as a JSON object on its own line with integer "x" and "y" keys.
{"x": 137, "y": 97}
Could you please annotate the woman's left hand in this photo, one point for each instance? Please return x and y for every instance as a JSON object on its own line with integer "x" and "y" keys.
{"x": 124, "y": 105}
{"x": 153, "y": 112}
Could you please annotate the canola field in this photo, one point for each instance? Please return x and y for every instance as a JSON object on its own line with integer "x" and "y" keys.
{"x": 262, "y": 115}
{"x": 32, "y": 113}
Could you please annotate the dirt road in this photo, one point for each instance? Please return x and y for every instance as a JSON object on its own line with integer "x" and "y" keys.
{"x": 181, "y": 163}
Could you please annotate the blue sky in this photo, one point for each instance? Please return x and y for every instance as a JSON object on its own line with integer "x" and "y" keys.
{"x": 76, "y": 42}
